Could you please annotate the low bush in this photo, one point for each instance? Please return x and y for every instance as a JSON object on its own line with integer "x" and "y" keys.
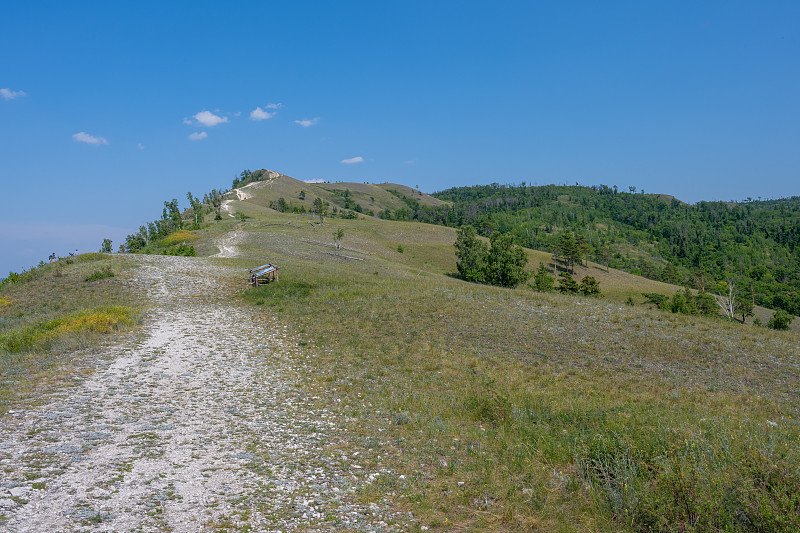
{"x": 100, "y": 274}
{"x": 182, "y": 250}
{"x": 781, "y": 320}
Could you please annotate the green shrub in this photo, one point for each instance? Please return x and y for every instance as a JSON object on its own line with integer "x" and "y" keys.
{"x": 590, "y": 286}
{"x": 612, "y": 467}
{"x": 100, "y": 274}
{"x": 182, "y": 250}
{"x": 781, "y": 320}
{"x": 567, "y": 283}
{"x": 655, "y": 298}
{"x": 542, "y": 280}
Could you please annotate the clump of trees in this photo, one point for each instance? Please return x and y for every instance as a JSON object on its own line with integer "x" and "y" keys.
{"x": 500, "y": 263}
{"x": 544, "y": 282}
{"x": 686, "y": 302}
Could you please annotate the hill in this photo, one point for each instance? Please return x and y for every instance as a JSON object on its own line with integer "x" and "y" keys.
{"x": 751, "y": 245}
{"x": 514, "y": 410}
{"x": 484, "y": 408}
{"x": 267, "y": 188}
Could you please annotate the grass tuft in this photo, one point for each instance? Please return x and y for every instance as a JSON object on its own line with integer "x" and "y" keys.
{"x": 43, "y": 335}
{"x": 103, "y": 273}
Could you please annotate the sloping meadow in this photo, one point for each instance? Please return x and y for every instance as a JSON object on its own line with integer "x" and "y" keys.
{"x": 50, "y": 313}
{"x": 514, "y": 410}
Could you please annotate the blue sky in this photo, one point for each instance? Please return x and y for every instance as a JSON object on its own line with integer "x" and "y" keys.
{"x": 109, "y": 108}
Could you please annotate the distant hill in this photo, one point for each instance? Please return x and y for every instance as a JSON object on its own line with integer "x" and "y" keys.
{"x": 266, "y": 188}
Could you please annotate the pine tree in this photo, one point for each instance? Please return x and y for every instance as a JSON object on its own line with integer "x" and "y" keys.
{"x": 567, "y": 283}
{"x": 590, "y": 286}
{"x": 542, "y": 280}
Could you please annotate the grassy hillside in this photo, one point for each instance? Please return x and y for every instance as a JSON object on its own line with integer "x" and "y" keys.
{"x": 514, "y": 410}
{"x": 52, "y": 315}
{"x": 510, "y": 410}
{"x": 266, "y": 188}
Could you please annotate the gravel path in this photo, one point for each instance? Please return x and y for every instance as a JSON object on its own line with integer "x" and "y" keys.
{"x": 228, "y": 243}
{"x": 196, "y": 423}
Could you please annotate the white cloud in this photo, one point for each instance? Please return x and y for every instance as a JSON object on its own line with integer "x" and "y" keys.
{"x": 316, "y": 180}
{"x": 260, "y": 114}
{"x": 186, "y": 121}
{"x": 140, "y": 146}
{"x": 352, "y": 160}
{"x": 83, "y": 137}
{"x": 274, "y": 106}
{"x": 306, "y": 123}
{"x": 8, "y": 94}
{"x": 198, "y": 135}
{"x": 237, "y": 114}
{"x": 207, "y": 118}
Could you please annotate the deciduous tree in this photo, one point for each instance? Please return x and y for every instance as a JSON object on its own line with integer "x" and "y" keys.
{"x": 506, "y": 261}
{"x": 337, "y": 237}
{"x": 471, "y": 253}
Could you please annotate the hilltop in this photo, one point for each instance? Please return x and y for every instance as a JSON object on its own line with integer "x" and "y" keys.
{"x": 267, "y": 187}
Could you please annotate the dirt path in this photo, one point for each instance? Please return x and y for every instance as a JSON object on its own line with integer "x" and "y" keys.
{"x": 195, "y": 423}
{"x": 228, "y": 243}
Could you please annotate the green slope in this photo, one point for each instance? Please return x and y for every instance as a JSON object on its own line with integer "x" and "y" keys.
{"x": 513, "y": 410}
{"x": 266, "y": 188}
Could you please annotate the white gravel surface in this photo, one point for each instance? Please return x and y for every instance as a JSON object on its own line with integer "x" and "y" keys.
{"x": 195, "y": 423}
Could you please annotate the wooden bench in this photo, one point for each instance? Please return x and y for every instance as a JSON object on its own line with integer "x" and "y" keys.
{"x": 263, "y": 274}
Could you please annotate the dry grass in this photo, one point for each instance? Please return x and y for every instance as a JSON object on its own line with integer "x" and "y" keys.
{"x": 178, "y": 237}
{"x": 513, "y": 410}
{"x": 375, "y": 197}
{"x": 52, "y": 312}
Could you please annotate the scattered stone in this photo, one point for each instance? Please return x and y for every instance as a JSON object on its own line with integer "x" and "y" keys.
{"x": 196, "y": 421}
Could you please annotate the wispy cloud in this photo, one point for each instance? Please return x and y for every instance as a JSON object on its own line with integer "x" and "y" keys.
{"x": 198, "y": 136}
{"x": 260, "y": 114}
{"x": 8, "y": 94}
{"x": 307, "y": 123}
{"x": 357, "y": 159}
{"x": 209, "y": 119}
{"x": 140, "y": 146}
{"x": 83, "y": 137}
{"x": 274, "y": 106}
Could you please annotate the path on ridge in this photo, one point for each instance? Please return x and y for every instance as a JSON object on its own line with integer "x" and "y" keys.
{"x": 196, "y": 422}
